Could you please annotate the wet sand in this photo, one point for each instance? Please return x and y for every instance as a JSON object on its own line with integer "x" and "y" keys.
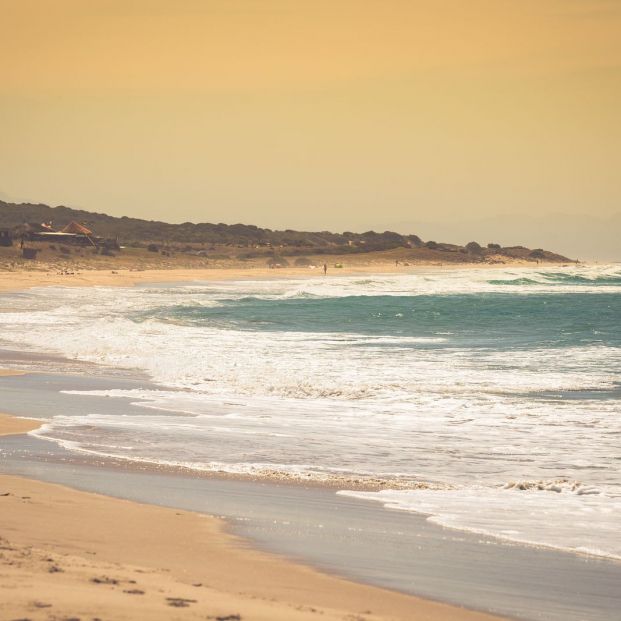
{"x": 9, "y": 425}
{"x": 9, "y": 372}
{"x": 72, "y": 554}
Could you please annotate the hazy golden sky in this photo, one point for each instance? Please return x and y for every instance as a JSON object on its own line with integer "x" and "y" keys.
{"x": 311, "y": 113}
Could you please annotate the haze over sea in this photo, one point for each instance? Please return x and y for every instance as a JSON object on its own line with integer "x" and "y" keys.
{"x": 489, "y": 399}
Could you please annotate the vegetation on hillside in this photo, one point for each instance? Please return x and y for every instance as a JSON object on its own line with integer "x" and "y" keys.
{"x": 255, "y": 241}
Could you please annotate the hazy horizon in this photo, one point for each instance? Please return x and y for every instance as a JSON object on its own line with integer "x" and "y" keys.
{"x": 325, "y": 115}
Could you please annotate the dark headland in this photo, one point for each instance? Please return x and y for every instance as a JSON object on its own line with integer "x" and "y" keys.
{"x": 110, "y": 242}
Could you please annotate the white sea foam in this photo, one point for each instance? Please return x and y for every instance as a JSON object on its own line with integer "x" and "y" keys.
{"x": 561, "y": 514}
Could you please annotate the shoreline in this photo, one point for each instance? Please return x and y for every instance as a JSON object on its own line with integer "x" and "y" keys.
{"x": 90, "y": 537}
{"x": 22, "y": 424}
{"x": 287, "y": 521}
{"x": 13, "y": 425}
{"x": 23, "y": 279}
{"x": 16, "y": 425}
{"x": 75, "y": 546}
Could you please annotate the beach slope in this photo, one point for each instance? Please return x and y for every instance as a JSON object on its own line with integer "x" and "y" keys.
{"x": 69, "y": 554}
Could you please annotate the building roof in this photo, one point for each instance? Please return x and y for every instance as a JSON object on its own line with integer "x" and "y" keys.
{"x": 77, "y": 229}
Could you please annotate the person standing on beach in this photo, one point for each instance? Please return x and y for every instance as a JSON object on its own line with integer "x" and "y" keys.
{"x": 325, "y": 269}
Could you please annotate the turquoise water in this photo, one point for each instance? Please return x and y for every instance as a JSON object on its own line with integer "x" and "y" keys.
{"x": 496, "y": 320}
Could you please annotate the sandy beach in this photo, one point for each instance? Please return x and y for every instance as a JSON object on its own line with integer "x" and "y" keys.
{"x": 49, "y": 276}
{"x": 69, "y": 554}
{"x": 11, "y": 281}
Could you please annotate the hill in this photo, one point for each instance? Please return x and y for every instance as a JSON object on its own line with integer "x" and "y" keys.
{"x": 189, "y": 236}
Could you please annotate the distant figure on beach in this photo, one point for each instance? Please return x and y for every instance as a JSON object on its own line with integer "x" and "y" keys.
{"x": 325, "y": 269}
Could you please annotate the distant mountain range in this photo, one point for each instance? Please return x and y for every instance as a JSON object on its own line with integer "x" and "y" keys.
{"x": 137, "y": 232}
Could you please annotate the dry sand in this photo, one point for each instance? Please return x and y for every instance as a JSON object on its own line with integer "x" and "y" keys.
{"x": 127, "y": 278}
{"x": 66, "y": 554}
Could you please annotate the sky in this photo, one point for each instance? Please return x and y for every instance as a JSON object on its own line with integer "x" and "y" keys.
{"x": 430, "y": 116}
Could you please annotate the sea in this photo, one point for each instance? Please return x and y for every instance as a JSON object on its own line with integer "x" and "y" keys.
{"x": 488, "y": 400}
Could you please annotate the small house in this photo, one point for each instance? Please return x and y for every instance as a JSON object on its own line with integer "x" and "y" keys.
{"x": 74, "y": 234}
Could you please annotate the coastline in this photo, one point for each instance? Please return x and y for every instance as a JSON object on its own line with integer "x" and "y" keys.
{"x": 70, "y": 547}
{"x": 23, "y": 279}
{"x": 355, "y": 540}
{"x": 92, "y": 279}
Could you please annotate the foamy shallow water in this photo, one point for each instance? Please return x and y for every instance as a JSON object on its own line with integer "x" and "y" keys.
{"x": 496, "y": 391}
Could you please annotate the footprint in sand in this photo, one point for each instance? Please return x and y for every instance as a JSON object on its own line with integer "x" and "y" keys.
{"x": 41, "y": 605}
{"x": 104, "y": 580}
{"x": 180, "y": 602}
